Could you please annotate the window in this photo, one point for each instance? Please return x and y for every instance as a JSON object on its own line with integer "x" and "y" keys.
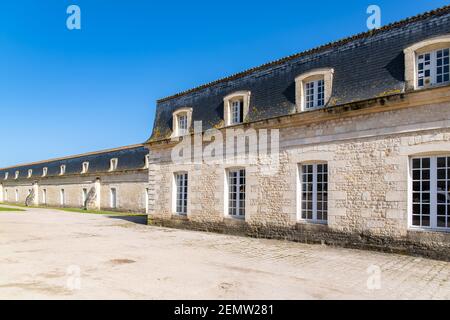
{"x": 113, "y": 164}
{"x": 236, "y": 106}
{"x": 182, "y": 119}
{"x": 236, "y": 193}
{"x": 85, "y": 167}
{"x": 314, "y": 94}
{"x": 182, "y": 124}
{"x": 84, "y": 195}
{"x": 16, "y": 176}
{"x": 113, "y": 198}
{"x": 62, "y": 197}
{"x": 433, "y": 68}
{"x": 6, "y": 175}
{"x": 181, "y": 183}
{"x": 30, "y": 173}
{"x": 314, "y": 192}
{"x": 236, "y": 111}
{"x": 147, "y": 161}
{"x": 313, "y": 89}
{"x": 62, "y": 169}
{"x": 44, "y": 196}
{"x": 431, "y": 192}
{"x": 146, "y": 200}
{"x": 427, "y": 63}
{"x": 44, "y": 171}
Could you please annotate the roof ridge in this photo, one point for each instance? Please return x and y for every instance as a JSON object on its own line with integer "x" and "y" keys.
{"x": 361, "y": 35}
{"x": 74, "y": 156}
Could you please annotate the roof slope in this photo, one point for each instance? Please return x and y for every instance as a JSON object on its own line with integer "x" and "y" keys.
{"x": 366, "y": 66}
{"x": 129, "y": 158}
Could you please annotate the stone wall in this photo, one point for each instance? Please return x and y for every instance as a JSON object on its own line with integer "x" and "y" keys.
{"x": 368, "y": 159}
{"x": 131, "y": 189}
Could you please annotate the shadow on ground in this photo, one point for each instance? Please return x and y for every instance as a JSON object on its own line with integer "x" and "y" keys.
{"x": 141, "y": 219}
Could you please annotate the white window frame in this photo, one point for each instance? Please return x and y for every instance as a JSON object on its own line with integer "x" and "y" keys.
{"x": 186, "y": 113}
{"x": 428, "y": 62}
{"x": 16, "y": 175}
{"x": 62, "y": 197}
{"x": 44, "y": 171}
{"x": 147, "y": 161}
{"x": 62, "y": 170}
{"x": 181, "y": 193}
{"x": 238, "y": 210}
{"x": 30, "y": 173}
{"x": 314, "y": 94}
{"x": 182, "y": 119}
{"x": 433, "y": 193}
{"x": 113, "y": 163}
{"x": 313, "y": 194}
{"x": 113, "y": 198}
{"x": 44, "y": 196}
{"x": 6, "y": 175}
{"x": 412, "y": 54}
{"x": 85, "y": 167}
{"x": 314, "y": 76}
{"x": 235, "y": 118}
{"x": 84, "y": 195}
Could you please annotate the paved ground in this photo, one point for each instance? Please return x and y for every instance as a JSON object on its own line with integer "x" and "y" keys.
{"x": 54, "y": 254}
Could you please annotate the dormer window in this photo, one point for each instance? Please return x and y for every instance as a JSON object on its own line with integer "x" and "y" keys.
{"x": 30, "y": 173}
{"x": 113, "y": 164}
{"x": 62, "y": 170}
{"x": 182, "y": 119}
{"x": 85, "y": 167}
{"x": 6, "y": 175}
{"x": 433, "y": 68}
{"x": 147, "y": 161}
{"x": 236, "y": 111}
{"x": 16, "y": 175}
{"x": 313, "y": 89}
{"x": 44, "y": 171}
{"x": 427, "y": 63}
{"x": 314, "y": 94}
{"x": 236, "y": 106}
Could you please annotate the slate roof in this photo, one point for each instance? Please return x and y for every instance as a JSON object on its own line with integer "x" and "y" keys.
{"x": 129, "y": 158}
{"x": 366, "y": 66}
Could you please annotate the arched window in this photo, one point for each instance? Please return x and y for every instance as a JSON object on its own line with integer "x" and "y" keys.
{"x": 427, "y": 63}
{"x": 313, "y": 89}
{"x": 182, "y": 119}
{"x": 236, "y": 106}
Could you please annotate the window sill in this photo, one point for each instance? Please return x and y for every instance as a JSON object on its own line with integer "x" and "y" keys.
{"x": 310, "y": 222}
{"x": 428, "y": 230}
{"x": 235, "y": 219}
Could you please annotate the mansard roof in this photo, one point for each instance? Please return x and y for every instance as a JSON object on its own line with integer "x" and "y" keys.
{"x": 129, "y": 158}
{"x": 366, "y": 66}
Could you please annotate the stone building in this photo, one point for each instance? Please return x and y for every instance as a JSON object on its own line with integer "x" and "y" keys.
{"x": 115, "y": 179}
{"x": 359, "y": 133}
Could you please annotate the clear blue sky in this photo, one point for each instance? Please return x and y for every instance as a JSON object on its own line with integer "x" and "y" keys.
{"x": 65, "y": 92}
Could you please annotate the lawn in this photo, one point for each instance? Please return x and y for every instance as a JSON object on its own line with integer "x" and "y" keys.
{"x": 78, "y": 210}
{"x": 10, "y": 209}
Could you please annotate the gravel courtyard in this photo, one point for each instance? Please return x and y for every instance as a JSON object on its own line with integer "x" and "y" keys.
{"x": 51, "y": 254}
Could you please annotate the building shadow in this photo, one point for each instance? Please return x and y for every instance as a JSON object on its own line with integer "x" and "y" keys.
{"x": 138, "y": 219}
